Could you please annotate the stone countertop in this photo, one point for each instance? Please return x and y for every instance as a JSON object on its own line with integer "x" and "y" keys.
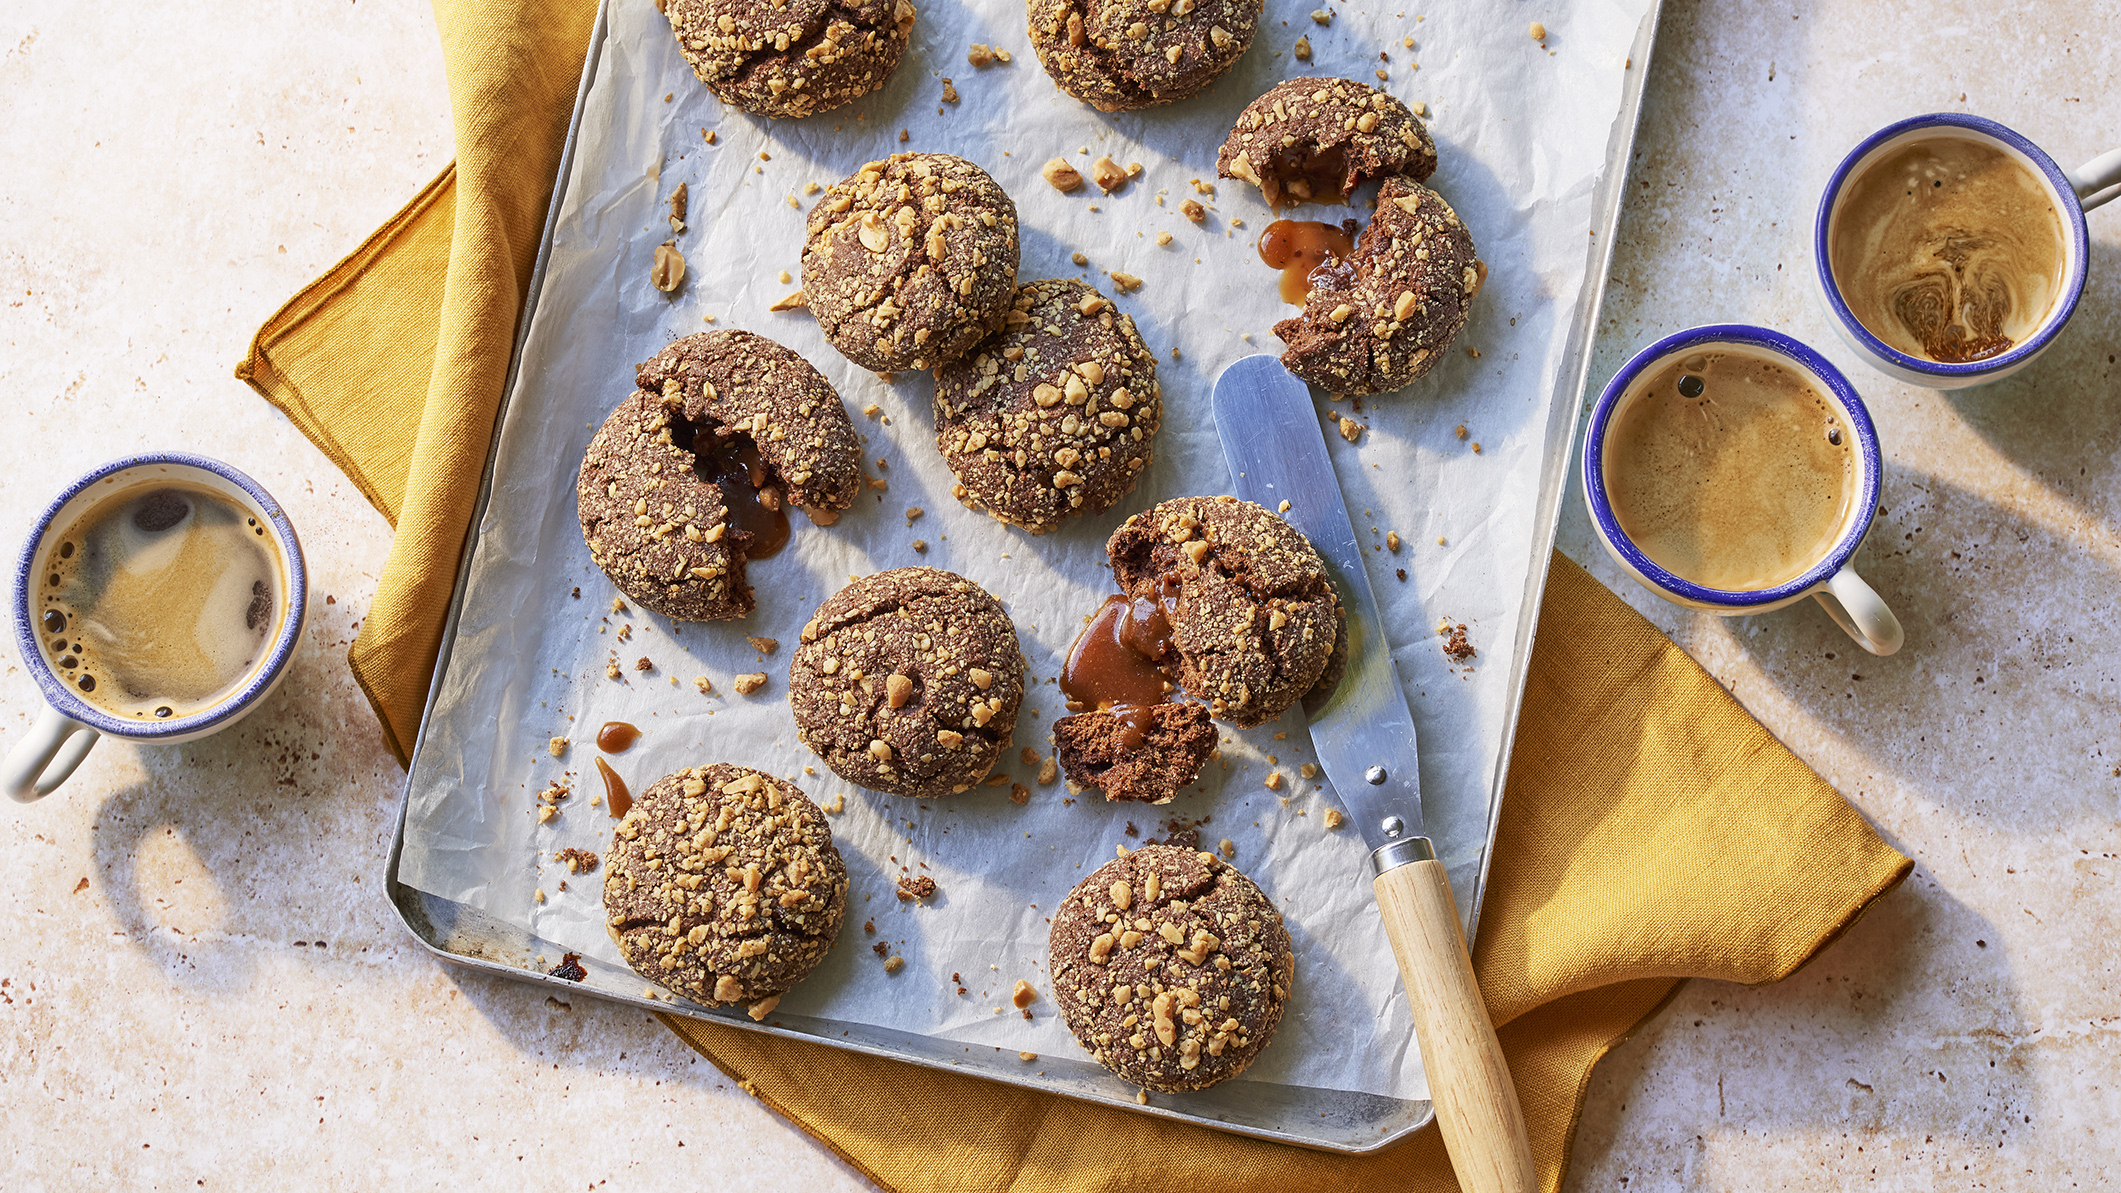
{"x": 197, "y": 990}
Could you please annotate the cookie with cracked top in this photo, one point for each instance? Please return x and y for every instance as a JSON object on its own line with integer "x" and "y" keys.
{"x": 1140, "y": 754}
{"x": 910, "y": 261}
{"x": 1388, "y": 313}
{"x": 908, "y": 681}
{"x": 1253, "y": 613}
{"x": 1055, "y": 414}
{"x": 662, "y": 531}
{"x": 791, "y": 57}
{"x": 1171, "y": 967}
{"x": 1121, "y": 55}
{"x": 722, "y": 883}
{"x": 1320, "y": 138}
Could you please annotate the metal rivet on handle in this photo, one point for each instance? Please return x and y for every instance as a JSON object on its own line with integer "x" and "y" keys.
{"x": 1375, "y": 775}
{"x": 1394, "y": 826}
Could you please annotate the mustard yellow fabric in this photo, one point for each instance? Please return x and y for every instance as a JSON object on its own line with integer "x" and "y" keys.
{"x": 1652, "y": 831}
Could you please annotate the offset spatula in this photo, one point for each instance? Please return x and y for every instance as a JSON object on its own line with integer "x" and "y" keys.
{"x": 1365, "y": 741}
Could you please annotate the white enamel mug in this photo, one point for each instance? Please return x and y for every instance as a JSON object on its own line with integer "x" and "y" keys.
{"x": 1853, "y": 604}
{"x": 62, "y": 734}
{"x": 2073, "y": 192}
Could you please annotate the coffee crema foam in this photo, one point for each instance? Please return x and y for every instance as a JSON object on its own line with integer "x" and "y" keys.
{"x": 1947, "y": 248}
{"x": 1729, "y": 470}
{"x": 160, "y": 600}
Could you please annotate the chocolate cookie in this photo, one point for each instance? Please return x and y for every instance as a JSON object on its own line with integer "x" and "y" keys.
{"x": 910, "y": 261}
{"x": 1387, "y": 314}
{"x": 791, "y": 57}
{"x": 1141, "y": 754}
{"x": 908, "y": 681}
{"x": 722, "y": 423}
{"x": 1253, "y": 613}
{"x": 1171, "y": 967}
{"x": 723, "y": 884}
{"x": 1321, "y": 138}
{"x": 1056, "y": 413}
{"x": 1127, "y": 54}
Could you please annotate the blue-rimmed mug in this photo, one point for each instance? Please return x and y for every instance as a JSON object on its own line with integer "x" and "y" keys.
{"x": 2071, "y": 194}
{"x": 1853, "y": 604}
{"x": 69, "y": 725}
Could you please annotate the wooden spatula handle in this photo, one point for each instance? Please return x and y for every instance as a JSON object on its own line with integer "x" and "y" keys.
{"x": 1476, "y": 1104}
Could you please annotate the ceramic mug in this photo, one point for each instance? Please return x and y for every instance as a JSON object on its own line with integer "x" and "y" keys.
{"x": 2072, "y": 192}
{"x": 69, "y": 725}
{"x": 1852, "y": 603}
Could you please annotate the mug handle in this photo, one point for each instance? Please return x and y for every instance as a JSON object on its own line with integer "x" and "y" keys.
{"x": 1858, "y": 609}
{"x": 46, "y": 756}
{"x": 2097, "y": 180}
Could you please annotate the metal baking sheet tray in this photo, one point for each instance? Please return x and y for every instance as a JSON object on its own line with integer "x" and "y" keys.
{"x": 464, "y": 932}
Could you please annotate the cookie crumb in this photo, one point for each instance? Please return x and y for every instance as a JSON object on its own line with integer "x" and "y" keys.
{"x": 949, "y": 92}
{"x": 577, "y": 861}
{"x": 894, "y": 964}
{"x": 642, "y": 664}
{"x": 1456, "y": 647}
{"x": 745, "y": 685}
{"x": 1028, "y": 756}
{"x": 838, "y": 804}
{"x": 611, "y": 668}
{"x": 913, "y": 513}
{"x": 915, "y": 888}
{"x": 1019, "y": 794}
{"x": 920, "y": 545}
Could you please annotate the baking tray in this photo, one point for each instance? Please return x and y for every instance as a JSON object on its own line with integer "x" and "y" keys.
{"x": 1324, "y": 1119}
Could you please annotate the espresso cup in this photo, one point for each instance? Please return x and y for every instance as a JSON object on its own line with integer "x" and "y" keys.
{"x": 71, "y": 722}
{"x": 2069, "y": 194}
{"x": 1818, "y": 565}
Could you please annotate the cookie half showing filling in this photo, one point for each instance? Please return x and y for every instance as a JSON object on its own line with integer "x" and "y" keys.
{"x": 1317, "y": 139}
{"x": 693, "y": 474}
{"x": 1171, "y": 967}
{"x": 1121, "y": 55}
{"x": 1137, "y": 753}
{"x": 791, "y": 57}
{"x": 910, "y": 261}
{"x": 908, "y": 681}
{"x": 1054, "y": 415}
{"x": 723, "y": 885}
{"x": 1252, "y": 613}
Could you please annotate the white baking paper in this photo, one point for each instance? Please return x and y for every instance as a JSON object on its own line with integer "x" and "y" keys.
{"x": 1522, "y": 129}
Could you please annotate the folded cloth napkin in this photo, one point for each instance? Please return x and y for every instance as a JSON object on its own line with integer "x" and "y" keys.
{"x": 1651, "y": 831}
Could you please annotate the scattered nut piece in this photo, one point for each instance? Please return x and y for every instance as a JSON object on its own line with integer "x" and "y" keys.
{"x": 763, "y": 1007}
{"x": 1303, "y": 49}
{"x": 1192, "y": 210}
{"x": 1334, "y": 819}
{"x": 1019, "y": 794}
{"x": 894, "y": 964}
{"x": 1048, "y": 770}
{"x": 1163, "y": 238}
{"x": 1392, "y": 541}
{"x": 1350, "y": 430}
{"x": 705, "y": 685}
{"x": 764, "y": 645}
{"x": 557, "y": 746}
{"x": 1226, "y": 847}
{"x": 920, "y": 545}
{"x": 792, "y": 302}
{"x": 1126, "y": 283}
{"x": 1078, "y": 258}
{"x": 1027, "y": 1056}
{"x": 1274, "y": 780}
{"x": 1321, "y": 16}
{"x": 668, "y": 272}
{"x": 1420, "y": 108}
{"x": 979, "y": 55}
{"x": 1063, "y": 176}
{"x": 949, "y": 92}
{"x": 1107, "y": 174}
{"x": 709, "y": 135}
{"x": 747, "y": 684}
{"x": 1023, "y": 995}
{"x": 677, "y": 209}
{"x": 1539, "y": 31}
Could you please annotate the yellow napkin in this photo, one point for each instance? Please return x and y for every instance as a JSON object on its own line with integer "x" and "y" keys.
{"x": 1652, "y": 831}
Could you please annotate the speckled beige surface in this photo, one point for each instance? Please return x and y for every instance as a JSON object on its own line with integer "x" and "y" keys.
{"x": 203, "y": 984}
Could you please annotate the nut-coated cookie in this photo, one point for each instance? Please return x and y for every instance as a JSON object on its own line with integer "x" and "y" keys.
{"x": 908, "y": 681}
{"x": 1125, "y": 54}
{"x": 1141, "y": 754}
{"x": 660, "y": 530}
{"x": 723, "y": 884}
{"x": 1386, "y": 318}
{"x": 1253, "y": 613}
{"x": 1054, "y": 415}
{"x": 910, "y": 261}
{"x": 791, "y": 57}
{"x": 1171, "y": 967}
{"x": 1319, "y": 139}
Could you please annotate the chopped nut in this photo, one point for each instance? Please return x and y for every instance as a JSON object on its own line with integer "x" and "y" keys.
{"x": 1023, "y": 995}
{"x": 920, "y": 544}
{"x": 557, "y": 746}
{"x": 705, "y": 685}
{"x": 709, "y": 135}
{"x": 1226, "y": 847}
{"x": 764, "y": 645}
{"x": 1274, "y": 780}
{"x": 1539, "y": 31}
{"x": 1192, "y": 210}
{"x": 981, "y": 678}
{"x": 979, "y": 55}
{"x": 897, "y": 690}
{"x": 747, "y": 684}
{"x": 1334, "y": 819}
{"x": 949, "y": 92}
{"x": 1048, "y": 770}
{"x": 1321, "y": 16}
{"x": 1027, "y": 1056}
{"x": 763, "y": 1007}
{"x": 677, "y": 209}
{"x": 1107, "y": 174}
{"x": 1079, "y": 259}
{"x": 1391, "y": 540}
{"x": 668, "y": 272}
{"x": 1122, "y": 895}
{"x": 1308, "y": 771}
{"x": 1063, "y": 176}
{"x": 1126, "y": 282}
{"x": 894, "y": 964}
{"x": 1303, "y": 49}
{"x": 792, "y": 302}
{"x": 1350, "y": 430}
{"x": 1163, "y": 238}
{"x": 880, "y": 749}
